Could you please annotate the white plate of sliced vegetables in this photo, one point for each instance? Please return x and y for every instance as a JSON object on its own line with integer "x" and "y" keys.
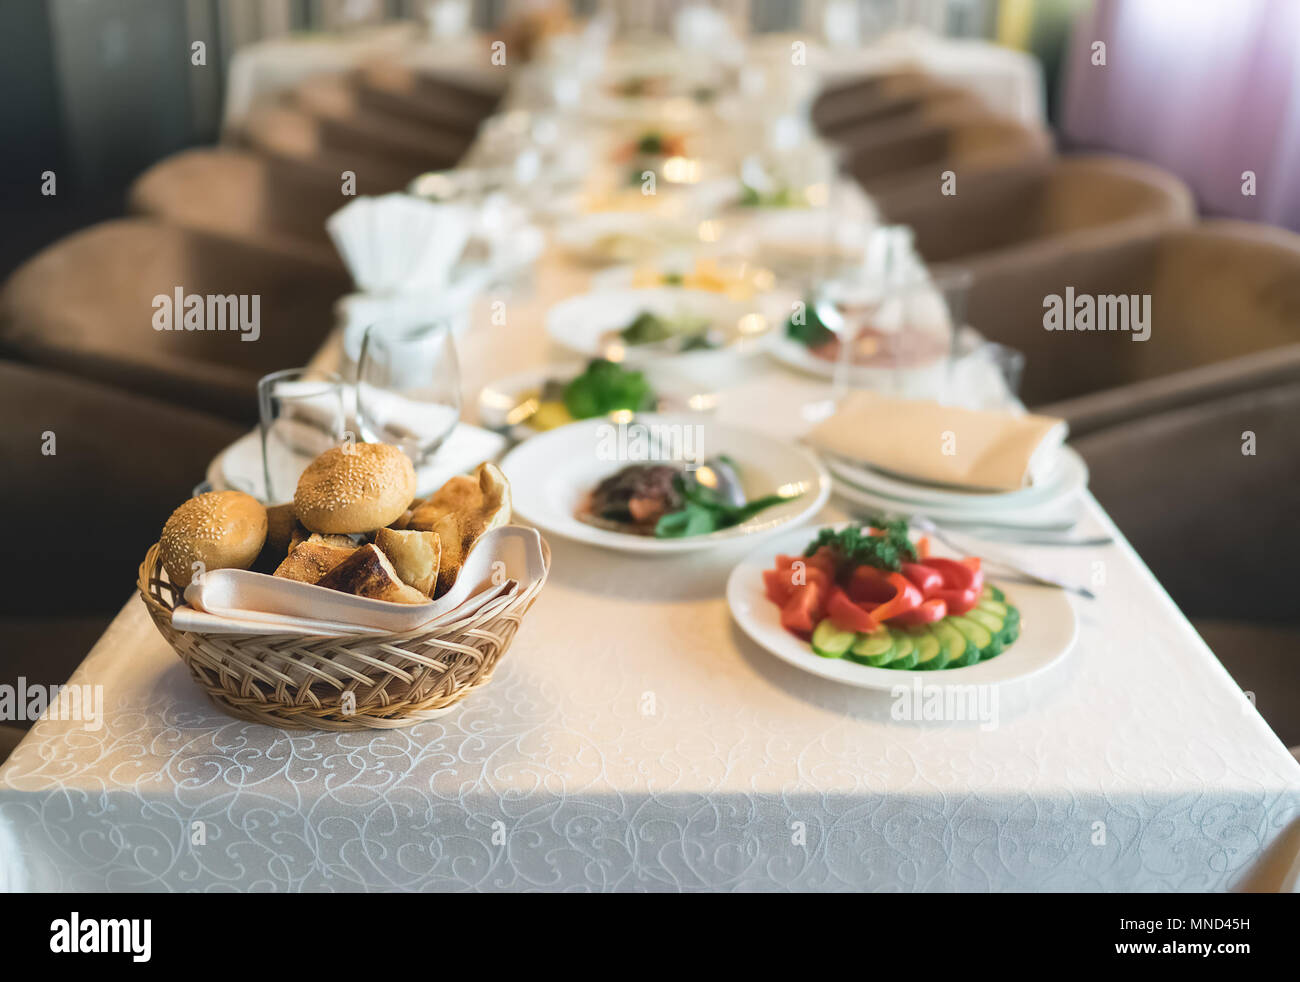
{"x": 964, "y": 628}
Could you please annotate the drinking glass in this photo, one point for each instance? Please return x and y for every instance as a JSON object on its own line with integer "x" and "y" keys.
{"x": 301, "y": 416}
{"x": 895, "y": 321}
{"x": 408, "y": 386}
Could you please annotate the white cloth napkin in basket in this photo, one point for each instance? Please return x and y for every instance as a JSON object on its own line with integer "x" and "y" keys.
{"x": 234, "y": 601}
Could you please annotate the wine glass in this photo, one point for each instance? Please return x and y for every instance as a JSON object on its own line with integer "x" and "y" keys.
{"x": 408, "y": 386}
{"x": 301, "y": 416}
{"x": 895, "y": 320}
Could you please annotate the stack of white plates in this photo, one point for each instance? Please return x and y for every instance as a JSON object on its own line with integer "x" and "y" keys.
{"x": 1051, "y": 499}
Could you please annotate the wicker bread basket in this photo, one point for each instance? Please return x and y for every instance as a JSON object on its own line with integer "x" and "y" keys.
{"x": 301, "y": 682}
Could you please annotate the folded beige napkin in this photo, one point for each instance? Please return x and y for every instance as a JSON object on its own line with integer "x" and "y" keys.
{"x": 924, "y": 441}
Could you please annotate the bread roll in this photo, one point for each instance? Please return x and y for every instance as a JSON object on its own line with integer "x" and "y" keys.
{"x": 460, "y": 512}
{"x": 415, "y": 556}
{"x": 356, "y": 488}
{"x": 368, "y": 573}
{"x": 312, "y": 558}
{"x": 220, "y": 529}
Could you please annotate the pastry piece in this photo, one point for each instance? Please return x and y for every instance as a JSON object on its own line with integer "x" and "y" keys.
{"x": 281, "y": 523}
{"x": 299, "y": 535}
{"x": 355, "y": 488}
{"x": 220, "y": 529}
{"x": 460, "y": 512}
{"x": 368, "y": 573}
{"x": 415, "y": 556}
{"x": 312, "y": 558}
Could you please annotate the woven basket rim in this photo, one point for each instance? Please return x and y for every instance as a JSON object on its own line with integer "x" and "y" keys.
{"x": 300, "y": 681}
{"x": 152, "y": 562}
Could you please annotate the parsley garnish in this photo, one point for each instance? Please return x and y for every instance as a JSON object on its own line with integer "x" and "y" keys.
{"x": 857, "y": 546}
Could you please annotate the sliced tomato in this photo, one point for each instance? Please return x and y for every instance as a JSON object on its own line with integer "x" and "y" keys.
{"x": 973, "y": 563}
{"x": 957, "y": 601}
{"x": 928, "y": 612}
{"x": 907, "y": 597}
{"x": 870, "y": 586}
{"x": 926, "y": 578}
{"x": 777, "y": 585}
{"x": 804, "y": 609}
{"x": 824, "y": 560}
{"x": 846, "y": 615}
{"x": 796, "y": 571}
{"x": 956, "y": 576}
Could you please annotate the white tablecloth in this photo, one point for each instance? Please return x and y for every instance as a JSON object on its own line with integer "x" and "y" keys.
{"x": 633, "y": 739}
{"x": 266, "y": 69}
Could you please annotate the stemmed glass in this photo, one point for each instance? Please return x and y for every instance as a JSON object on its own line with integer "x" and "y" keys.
{"x": 302, "y": 415}
{"x": 408, "y": 386}
{"x": 895, "y": 321}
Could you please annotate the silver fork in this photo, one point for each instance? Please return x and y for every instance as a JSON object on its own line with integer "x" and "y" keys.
{"x": 924, "y": 524}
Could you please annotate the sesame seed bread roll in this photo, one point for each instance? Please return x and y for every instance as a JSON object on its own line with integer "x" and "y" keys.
{"x": 354, "y": 489}
{"x": 220, "y": 529}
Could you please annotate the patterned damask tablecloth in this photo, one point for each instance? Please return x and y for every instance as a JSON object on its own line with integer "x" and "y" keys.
{"x": 633, "y": 739}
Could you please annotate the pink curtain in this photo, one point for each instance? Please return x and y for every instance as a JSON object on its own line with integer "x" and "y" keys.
{"x": 1207, "y": 89}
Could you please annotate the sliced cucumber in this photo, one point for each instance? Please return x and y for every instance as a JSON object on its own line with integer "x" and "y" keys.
{"x": 977, "y": 634}
{"x": 929, "y": 652}
{"x": 990, "y": 621}
{"x": 960, "y": 651}
{"x": 876, "y": 648}
{"x": 995, "y": 607}
{"x": 829, "y": 641}
{"x": 905, "y": 653}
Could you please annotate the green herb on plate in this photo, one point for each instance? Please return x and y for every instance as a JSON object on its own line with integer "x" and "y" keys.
{"x": 708, "y": 509}
{"x": 856, "y": 545}
{"x": 605, "y": 387}
{"x": 807, "y": 328}
{"x": 651, "y": 328}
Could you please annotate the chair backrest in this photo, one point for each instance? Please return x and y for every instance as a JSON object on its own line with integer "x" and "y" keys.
{"x": 1009, "y": 215}
{"x": 263, "y": 201}
{"x": 348, "y": 123}
{"x": 83, "y": 515}
{"x": 92, "y": 304}
{"x": 288, "y": 134}
{"x": 423, "y": 97}
{"x": 842, "y": 111}
{"x": 1215, "y": 524}
{"x": 916, "y": 154}
{"x": 1218, "y": 291}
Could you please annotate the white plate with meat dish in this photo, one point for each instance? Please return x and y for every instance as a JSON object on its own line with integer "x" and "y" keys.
{"x": 663, "y": 483}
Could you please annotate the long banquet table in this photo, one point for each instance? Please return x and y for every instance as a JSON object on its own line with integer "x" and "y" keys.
{"x": 634, "y": 739}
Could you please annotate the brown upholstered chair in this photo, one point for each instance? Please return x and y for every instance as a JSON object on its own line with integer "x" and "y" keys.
{"x": 425, "y": 98}
{"x": 330, "y": 149}
{"x": 1224, "y": 317}
{"x": 906, "y": 158}
{"x": 1218, "y": 528}
{"x": 84, "y": 515}
{"x": 86, "y": 306}
{"x": 241, "y": 195}
{"x": 845, "y": 112}
{"x": 1022, "y": 215}
{"x": 354, "y": 122}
